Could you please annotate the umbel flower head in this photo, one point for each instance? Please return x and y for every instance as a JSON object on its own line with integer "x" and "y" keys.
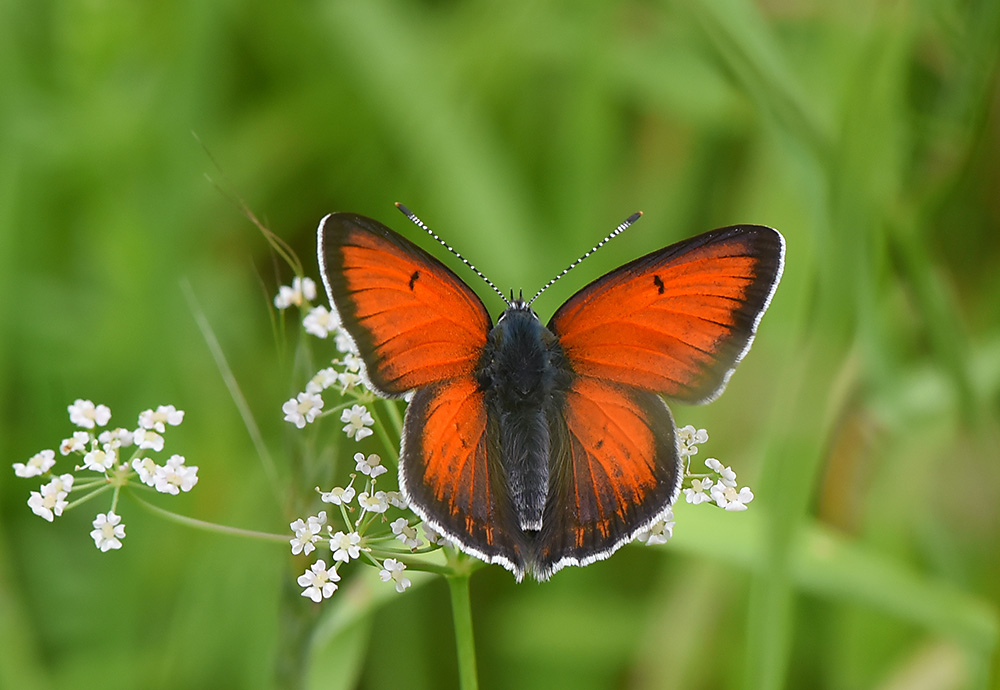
{"x": 356, "y": 530}
{"x": 103, "y": 466}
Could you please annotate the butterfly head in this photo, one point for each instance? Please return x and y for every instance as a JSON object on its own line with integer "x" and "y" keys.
{"x": 518, "y": 305}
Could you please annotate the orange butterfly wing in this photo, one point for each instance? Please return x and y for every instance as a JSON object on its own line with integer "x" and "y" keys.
{"x": 678, "y": 320}
{"x": 675, "y": 322}
{"x": 449, "y": 473}
{"x": 413, "y": 321}
{"x": 615, "y": 470}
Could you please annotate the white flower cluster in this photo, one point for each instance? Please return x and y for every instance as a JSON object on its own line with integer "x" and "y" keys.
{"x": 104, "y": 468}
{"x": 359, "y": 536}
{"x": 345, "y": 372}
{"x": 719, "y": 484}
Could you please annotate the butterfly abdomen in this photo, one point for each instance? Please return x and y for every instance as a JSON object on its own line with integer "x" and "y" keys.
{"x": 522, "y": 375}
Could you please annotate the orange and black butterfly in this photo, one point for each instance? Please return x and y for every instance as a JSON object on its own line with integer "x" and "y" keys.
{"x": 534, "y": 446}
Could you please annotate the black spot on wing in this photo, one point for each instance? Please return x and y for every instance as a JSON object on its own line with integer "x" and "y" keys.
{"x": 416, "y": 275}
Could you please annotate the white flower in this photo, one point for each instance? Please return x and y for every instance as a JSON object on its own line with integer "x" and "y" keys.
{"x": 302, "y": 409}
{"x": 352, "y": 362}
{"x": 727, "y": 497}
{"x": 307, "y": 286}
{"x": 698, "y": 493}
{"x": 393, "y": 570}
{"x": 175, "y": 476}
{"x": 165, "y": 414}
{"x": 397, "y": 499}
{"x": 38, "y": 464}
{"x": 108, "y": 531}
{"x": 357, "y": 419}
{"x": 303, "y": 541}
{"x": 337, "y": 495}
{"x": 317, "y": 521}
{"x": 371, "y": 465}
{"x": 286, "y": 297}
{"x": 343, "y": 341}
{"x": 100, "y": 460}
{"x": 691, "y": 436}
{"x": 688, "y": 439}
{"x": 405, "y": 533}
{"x": 42, "y": 506}
{"x": 345, "y": 546}
{"x": 302, "y": 289}
{"x": 50, "y": 500}
{"x": 324, "y": 378}
{"x": 659, "y": 532}
{"x": 86, "y": 415}
{"x": 318, "y": 582}
{"x": 307, "y": 533}
{"x": 63, "y": 483}
{"x": 118, "y": 438}
{"x": 75, "y": 443}
{"x": 320, "y": 321}
{"x": 148, "y": 439}
{"x": 348, "y": 380}
{"x": 146, "y": 469}
{"x": 727, "y": 475}
{"x": 378, "y": 503}
{"x": 434, "y": 537}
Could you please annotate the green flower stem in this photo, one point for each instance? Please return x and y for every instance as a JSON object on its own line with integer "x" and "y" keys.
{"x": 332, "y": 411}
{"x": 461, "y": 611}
{"x": 114, "y": 498}
{"x": 210, "y": 526}
{"x": 84, "y": 499}
{"x": 393, "y": 411}
{"x": 391, "y": 446}
{"x": 87, "y": 483}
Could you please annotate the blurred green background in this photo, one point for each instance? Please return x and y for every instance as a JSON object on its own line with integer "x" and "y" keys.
{"x": 865, "y": 419}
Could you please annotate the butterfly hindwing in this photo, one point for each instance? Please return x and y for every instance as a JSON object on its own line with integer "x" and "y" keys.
{"x": 614, "y": 470}
{"x": 449, "y": 473}
{"x": 414, "y": 321}
{"x": 678, "y": 320}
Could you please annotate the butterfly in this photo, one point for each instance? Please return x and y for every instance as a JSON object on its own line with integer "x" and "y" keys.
{"x": 540, "y": 446}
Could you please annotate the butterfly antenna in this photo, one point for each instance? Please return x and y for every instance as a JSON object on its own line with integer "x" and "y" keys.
{"x": 614, "y": 233}
{"x": 419, "y": 223}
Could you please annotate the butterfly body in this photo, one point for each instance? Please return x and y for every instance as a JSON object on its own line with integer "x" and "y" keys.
{"x": 524, "y": 378}
{"x": 539, "y": 446}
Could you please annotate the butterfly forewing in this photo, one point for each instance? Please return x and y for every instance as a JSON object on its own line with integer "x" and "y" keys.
{"x": 678, "y": 320}
{"x": 414, "y": 321}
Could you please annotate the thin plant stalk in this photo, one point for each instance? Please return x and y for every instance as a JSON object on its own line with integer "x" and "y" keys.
{"x": 461, "y": 611}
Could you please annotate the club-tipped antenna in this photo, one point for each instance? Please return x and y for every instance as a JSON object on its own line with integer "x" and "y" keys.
{"x": 611, "y": 235}
{"x": 419, "y": 223}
